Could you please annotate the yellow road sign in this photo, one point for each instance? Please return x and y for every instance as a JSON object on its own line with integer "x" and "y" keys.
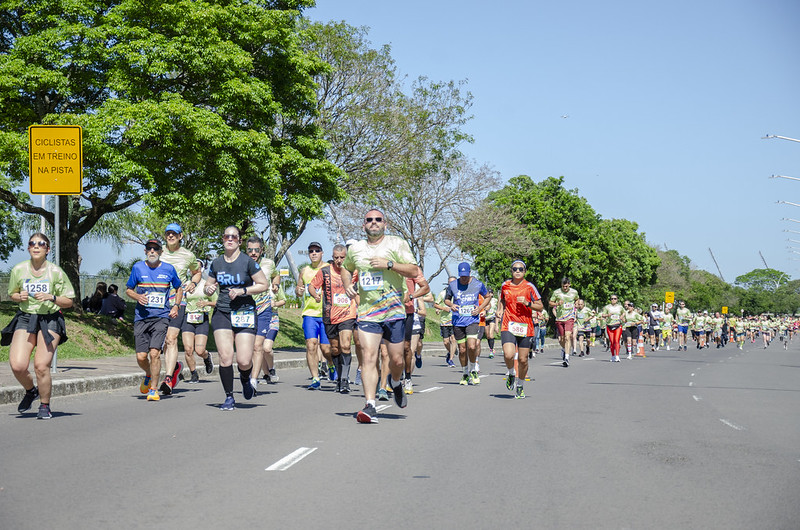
{"x": 724, "y": 310}
{"x": 670, "y": 297}
{"x": 56, "y": 159}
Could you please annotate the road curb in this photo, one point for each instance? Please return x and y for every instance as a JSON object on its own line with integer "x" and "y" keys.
{"x": 82, "y": 385}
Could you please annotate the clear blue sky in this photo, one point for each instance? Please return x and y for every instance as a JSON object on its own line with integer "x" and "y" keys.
{"x": 666, "y": 103}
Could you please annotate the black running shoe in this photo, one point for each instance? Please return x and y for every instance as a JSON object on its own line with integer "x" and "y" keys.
{"x": 399, "y": 396}
{"x": 367, "y": 415}
{"x": 345, "y": 387}
{"x": 209, "y": 362}
{"x": 27, "y": 399}
{"x": 247, "y": 389}
{"x": 166, "y": 386}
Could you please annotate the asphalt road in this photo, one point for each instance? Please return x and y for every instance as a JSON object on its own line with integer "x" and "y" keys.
{"x": 696, "y": 439}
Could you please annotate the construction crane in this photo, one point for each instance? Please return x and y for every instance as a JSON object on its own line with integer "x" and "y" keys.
{"x": 717, "y": 264}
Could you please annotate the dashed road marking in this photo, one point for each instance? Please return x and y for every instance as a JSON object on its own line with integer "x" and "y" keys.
{"x": 732, "y": 425}
{"x": 291, "y": 459}
{"x": 696, "y": 398}
{"x": 432, "y": 389}
{"x": 382, "y": 407}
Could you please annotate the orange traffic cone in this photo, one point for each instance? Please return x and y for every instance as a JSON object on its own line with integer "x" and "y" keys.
{"x": 640, "y": 347}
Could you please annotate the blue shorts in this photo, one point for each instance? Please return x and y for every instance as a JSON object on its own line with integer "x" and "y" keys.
{"x": 392, "y": 331}
{"x": 683, "y": 329}
{"x": 262, "y": 322}
{"x": 313, "y": 328}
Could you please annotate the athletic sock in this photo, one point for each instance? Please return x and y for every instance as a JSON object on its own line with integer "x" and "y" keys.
{"x": 226, "y": 376}
{"x": 244, "y": 375}
{"x": 491, "y": 344}
{"x": 347, "y": 358}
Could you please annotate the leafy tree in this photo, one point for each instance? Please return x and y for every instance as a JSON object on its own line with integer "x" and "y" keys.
{"x": 203, "y": 106}
{"x": 557, "y": 233}
{"x": 762, "y": 279}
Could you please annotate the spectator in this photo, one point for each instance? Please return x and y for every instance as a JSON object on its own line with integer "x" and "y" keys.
{"x": 95, "y": 303}
{"x": 113, "y": 305}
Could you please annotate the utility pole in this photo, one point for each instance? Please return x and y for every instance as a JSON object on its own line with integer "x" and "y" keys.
{"x": 717, "y": 264}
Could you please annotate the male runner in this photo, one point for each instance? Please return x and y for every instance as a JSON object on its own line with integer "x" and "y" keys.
{"x": 313, "y": 327}
{"x": 563, "y": 303}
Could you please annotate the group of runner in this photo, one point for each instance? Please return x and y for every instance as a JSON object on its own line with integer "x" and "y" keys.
{"x": 371, "y": 295}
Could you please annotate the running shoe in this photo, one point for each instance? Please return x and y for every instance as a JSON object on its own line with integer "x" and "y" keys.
{"x": 520, "y": 393}
{"x": 474, "y": 378}
{"x": 491, "y": 354}
{"x": 152, "y": 395}
{"x": 629, "y": 356}
{"x": 195, "y": 378}
{"x": 248, "y": 391}
{"x": 267, "y": 379}
{"x": 510, "y": 380}
{"x": 44, "y": 413}
{"x": 27, "y": 399}
{"x": 166, "y": 386}
{"x": 464, "y": 380}
{"x": 358, "y": 376}
{"x": 315, "y": 384}
{"x": 399, "y": 396}
{"x": 332, "y": 373}
{"x": 383, "y": 395}
{"x": 177, "y": 374}
{"x": 408, "y": 387}
{"x": 565, "y": 362}
{"x": 144, "y": 388}
{"x": 345, "y": 387}
{"x": 229, "y": 404}
{"x": 272, "y": 375}
{"x": 209, "y": 362}
{"x": 367, "y": 415}
{"x": 418, "y": 360}
{"x": 450, "y": 363}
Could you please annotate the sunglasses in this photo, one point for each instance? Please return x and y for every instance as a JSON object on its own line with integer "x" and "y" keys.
{"x": 151, "y": 249}
{"x": 376, "y": 219}
{"x": 230, "y": 237}
{"x": 314, "y": 251}
{"x": 250, "y": 250}
{"x": 40, "y": 244}
{"x": 518, "y": 269}
{"x": 614, "y": 298}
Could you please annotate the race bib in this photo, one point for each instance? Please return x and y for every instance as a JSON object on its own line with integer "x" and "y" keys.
{"x": 156, "y": 300}
{"x": 568, "y": 306}
{"x": 243, "y": 318}
{"x": 371, "y": 281}
{"x": 194, "y": 318}
{"x": 466, "y": 310}
{"x": 341, "y": 300}
{"x": 274, "y": 323}
{"x": 37, "y": 287}
{"x": 518, "y": 329}
{"x": 613, "y": 319}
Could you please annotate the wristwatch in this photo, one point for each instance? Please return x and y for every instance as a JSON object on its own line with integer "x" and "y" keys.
{"x": 389, "y": 264}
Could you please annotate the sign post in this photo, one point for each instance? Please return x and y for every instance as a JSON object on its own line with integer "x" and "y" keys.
{"x": 55, "y": 167}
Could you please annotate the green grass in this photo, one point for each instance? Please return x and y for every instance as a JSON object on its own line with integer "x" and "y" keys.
{"x": 92, "y": 336}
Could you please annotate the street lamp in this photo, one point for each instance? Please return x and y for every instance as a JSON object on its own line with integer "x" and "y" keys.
{"x": 787, "y": 202}
{"x": 792, "y": 231}
{"x": 783, "y": 177}
{"x": 789, "y": 219}
{"x": 771, "y": 136}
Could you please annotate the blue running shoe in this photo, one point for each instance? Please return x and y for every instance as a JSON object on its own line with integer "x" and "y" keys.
{"x": 358, "y": 376}
{"x": 315, "y": 384}
{"x": 383, "y": 395}
{"x": 229, "y": 404}
{"x": 333, "y": 374}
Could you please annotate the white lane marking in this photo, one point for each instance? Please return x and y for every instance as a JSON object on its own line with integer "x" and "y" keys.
{"x": 691, "y": 383}
{"x": 432, "y": 389}
{"x": 382, "y": 407}
{"x": 289, "y": 460}
{"x": 692, "y": 375}
{"x": 732, "y": 425}
{"x": 696, "y": 398}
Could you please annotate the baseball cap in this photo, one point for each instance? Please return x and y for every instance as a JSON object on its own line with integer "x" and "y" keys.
{"x": 314, "y": 244}
{"x": 153, "y": 243}
{"x": 463, "y": 269}
{"x": 173, "y": 227}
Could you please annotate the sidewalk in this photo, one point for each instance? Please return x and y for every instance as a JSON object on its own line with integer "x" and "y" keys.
{"x": 76, "y": 376}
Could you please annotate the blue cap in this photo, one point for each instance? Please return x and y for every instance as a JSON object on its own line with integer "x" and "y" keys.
{"x": 463, "y": 269}
{"x": 173, "y": 227}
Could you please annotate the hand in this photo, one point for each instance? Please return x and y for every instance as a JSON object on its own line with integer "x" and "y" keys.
{"x": 190, "y": 287}
{"x": 42, "y": 297}
{"x": 379, "y": 263}
{"x": 351, "y": 292}
{"x": 142, "y": 299}
{"x": 23, "y": 295}
{"x": 173, "y": 311}
{"x": 475, "y": 312}
{"x": 521, "y": 300}
{"x": 233, "y": 293}
{"x": 210, "y": 289}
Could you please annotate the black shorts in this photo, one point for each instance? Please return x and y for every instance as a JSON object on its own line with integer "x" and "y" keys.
{"x": 199, "y": 328}
{"x": 520, "y": 342}
{"x": 446, "y": 331}
{"x": 630, "y": 333}
{"x": 177, "y": 322}
{"x": 462, "y": 332}
{"x": 332, "y": 330}
{"x": 222, "y": 320}
{"x": 150, "y": 333}
{"x": 53, "y": 322}
{"x": 481, "y": 332}
{"x": 408, "y": 323}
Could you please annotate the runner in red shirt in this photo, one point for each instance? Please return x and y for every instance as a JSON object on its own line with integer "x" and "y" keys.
{"x": 518, "y": 299}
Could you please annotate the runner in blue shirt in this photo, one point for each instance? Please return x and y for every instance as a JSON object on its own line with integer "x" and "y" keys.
{"x": 463, "y": 297}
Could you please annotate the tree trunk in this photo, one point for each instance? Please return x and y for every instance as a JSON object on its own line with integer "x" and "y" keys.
{"x": 70, "y": 257}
